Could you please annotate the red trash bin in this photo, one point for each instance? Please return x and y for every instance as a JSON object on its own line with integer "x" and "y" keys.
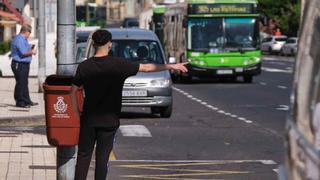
{"x": 63, "y": 126}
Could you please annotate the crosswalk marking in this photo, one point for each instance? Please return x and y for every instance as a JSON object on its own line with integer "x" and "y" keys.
{"x": 134, "y": 131}
{"x": 276, "y": 70}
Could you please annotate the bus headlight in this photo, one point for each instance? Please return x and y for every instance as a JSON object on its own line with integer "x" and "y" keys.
{"x": 201, "y": 63}
{"x": 257, "y": 59}
{"x": 160, "y": 83}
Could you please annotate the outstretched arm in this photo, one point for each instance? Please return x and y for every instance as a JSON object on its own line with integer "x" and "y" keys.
{"x": 162, "y": 67}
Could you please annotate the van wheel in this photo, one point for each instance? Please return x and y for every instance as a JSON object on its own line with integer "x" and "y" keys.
{"x": 248, "y": 79}
{"x": 270, "y": 51}
{"x": 292, "y": 52}
{"x": 165, "y": 112}
{"x": 155, "y": 110}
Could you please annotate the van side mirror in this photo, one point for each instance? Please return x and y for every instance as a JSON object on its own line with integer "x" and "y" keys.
{"x": 185, "y": 22}
{"x": 172, "y": 60}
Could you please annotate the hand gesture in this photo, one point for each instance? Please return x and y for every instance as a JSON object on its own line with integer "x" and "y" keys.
{"x": 180, "y": 67}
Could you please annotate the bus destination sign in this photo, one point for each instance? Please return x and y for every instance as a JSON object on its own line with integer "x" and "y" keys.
{"x": 222, "y": 9}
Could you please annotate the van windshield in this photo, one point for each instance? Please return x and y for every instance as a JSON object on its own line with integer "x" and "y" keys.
{"x": 138, "y": 51}
{"x": 281, "y": 39}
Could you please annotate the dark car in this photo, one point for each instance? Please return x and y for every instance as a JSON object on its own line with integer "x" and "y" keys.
{"x": 130, "y": 23}
{"x": 82, "y": 36}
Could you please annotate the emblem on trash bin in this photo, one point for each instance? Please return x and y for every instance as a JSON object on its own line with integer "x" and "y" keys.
{"x": 60, "y": 106}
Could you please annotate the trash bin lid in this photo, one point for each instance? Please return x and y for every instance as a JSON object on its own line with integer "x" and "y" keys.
{"x": 58, "y": 80}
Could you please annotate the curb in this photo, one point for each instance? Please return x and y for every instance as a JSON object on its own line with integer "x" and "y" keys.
{"x": 38, "y": 119}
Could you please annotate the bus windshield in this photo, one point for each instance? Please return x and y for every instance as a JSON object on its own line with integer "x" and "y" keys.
{"x": 205, "y": 34}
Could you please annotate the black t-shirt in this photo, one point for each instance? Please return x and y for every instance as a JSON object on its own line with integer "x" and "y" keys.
{"x": 102, "y": 79}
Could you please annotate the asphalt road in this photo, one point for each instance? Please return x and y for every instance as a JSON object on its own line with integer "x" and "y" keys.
{"x": 219, "y": 130}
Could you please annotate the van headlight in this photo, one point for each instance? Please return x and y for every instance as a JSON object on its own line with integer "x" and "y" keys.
{"x": 160, "y": 83}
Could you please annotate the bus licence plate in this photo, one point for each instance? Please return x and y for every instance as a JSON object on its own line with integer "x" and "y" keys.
{"x": 134, "y": 93}
{"x": 225, "y": 72}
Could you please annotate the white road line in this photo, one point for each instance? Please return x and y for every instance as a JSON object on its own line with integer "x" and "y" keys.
{"x": 211, "y": 107}
{"x": 269, "y": 162}
{"x": 242, "y": 119}
{"x": 263, "y": 83}
{"x": 277, "y": 70}
{"x": 134, "y": 131}
{"x": 282, "y": 87}
{"x": 283, "y": 108}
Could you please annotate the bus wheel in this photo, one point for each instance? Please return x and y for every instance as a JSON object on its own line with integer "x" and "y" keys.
{"x": 186, "y": 79}
{"x": 247, "y": 79}
{"x": 174, "y": 77}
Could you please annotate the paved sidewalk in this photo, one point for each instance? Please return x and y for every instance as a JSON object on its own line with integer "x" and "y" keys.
{"x": 26, "y": 155}
{"x": 24, "y": 152}
{"x": 10, "y": 113}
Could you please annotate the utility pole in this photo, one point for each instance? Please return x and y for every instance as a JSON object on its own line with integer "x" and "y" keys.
{"x": 303, "y": 2}
{"x": 66, "y": 156}
{"x": 42, "y": 43}
{"x": 66, "y": 37}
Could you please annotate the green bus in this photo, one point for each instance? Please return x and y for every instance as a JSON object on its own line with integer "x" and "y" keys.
{"x": 220, "y": 38}
{"x": 91, "y": 14}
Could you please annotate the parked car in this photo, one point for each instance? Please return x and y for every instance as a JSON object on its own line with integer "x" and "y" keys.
{"x": 130, "y": 23}
{"x": 273, "y": 44}
{"x": 145, "y": 89}
{"x": 302, "y": 137}
{"x": 290, "y": 47}
{"x": 82, "y": 33}
{"x": 81, "y": 52}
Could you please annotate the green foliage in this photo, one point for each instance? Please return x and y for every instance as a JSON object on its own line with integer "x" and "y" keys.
{"x": 4, "y": 47}
{"x": 286, "y": 12}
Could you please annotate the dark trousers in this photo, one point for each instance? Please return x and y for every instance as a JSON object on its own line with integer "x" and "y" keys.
{"x": 89, "y": 136}
{"x": 21, "y": 90}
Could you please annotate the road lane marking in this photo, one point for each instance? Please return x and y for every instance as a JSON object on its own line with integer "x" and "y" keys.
{"x": 176, "y": 169}
{"x": 206, "y": 104}
{"x": 187, "y": 174}
{"x": 282, "y": 87}
{"x": 283, "y": 108}
{"x": 277, "y": 70}
{"x": 186, "y": 162}
{"x": 277, "y": 58}
{"x": 134, "y": 131}
{"x": 263, "y": 83}
{"x": 112, "y": 156}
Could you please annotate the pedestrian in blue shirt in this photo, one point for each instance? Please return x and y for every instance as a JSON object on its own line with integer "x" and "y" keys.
{"x": 21, "y": 52}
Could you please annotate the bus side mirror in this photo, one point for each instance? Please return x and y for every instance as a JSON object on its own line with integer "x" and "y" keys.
{"x": 185, "y": 22}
